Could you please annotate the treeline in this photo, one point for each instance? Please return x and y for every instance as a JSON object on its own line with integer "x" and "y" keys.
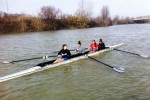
{"x": 50, "y": 18}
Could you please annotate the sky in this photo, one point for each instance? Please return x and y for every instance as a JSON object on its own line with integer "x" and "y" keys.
{"x": 123, "y": 8}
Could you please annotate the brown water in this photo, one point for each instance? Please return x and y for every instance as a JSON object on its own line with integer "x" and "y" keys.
{"x": 83, "y": 79}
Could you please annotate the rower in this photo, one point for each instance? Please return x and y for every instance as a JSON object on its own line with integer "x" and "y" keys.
{"x": 80, "y": 49}
{"x": 93, "y": 47}
{"x": 101, "y": 45}
{"x": 65, "y": 54}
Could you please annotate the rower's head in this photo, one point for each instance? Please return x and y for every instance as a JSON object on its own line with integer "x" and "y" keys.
{"x": 64, "y": 46}
{"x": 100, "y": 40}
{"x": 79, "y": 43}
{"x": 93, "y": 41}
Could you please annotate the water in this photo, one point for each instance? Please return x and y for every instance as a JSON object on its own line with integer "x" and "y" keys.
{"x": 83, "y": 79}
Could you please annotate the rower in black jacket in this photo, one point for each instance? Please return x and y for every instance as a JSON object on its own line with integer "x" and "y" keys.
{"x": 101, "y": 45}
{"x": 65, "y": 54}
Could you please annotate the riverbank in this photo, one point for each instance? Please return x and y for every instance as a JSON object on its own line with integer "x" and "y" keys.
{"x": 51, "y": 18}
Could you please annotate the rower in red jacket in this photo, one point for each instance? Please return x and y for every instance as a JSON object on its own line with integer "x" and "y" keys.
{"x": 93, "y": 46}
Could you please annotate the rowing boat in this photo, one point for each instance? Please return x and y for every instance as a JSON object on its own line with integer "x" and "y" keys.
{"x": 49, "y": 64}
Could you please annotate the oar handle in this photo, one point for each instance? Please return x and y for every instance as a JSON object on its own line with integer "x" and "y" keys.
{"x": 73, "y": 50}
{"x": 69, "y": 50}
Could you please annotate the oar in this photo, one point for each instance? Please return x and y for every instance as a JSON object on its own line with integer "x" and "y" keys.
{"x": 69, "y": 50}
{"x": 45, "y": 57}
{"x": 117, "y": 69}
{"x": 58, "y": 51}
{"x": 132, "y": 53}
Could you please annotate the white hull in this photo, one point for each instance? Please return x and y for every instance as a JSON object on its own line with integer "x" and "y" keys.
{"x": 38, "y": 68}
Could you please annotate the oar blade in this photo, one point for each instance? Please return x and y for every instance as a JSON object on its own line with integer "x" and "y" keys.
{"x": 144, "y": 56}
{"x": 119, "y": 70}
{"x": 6, "y": 62}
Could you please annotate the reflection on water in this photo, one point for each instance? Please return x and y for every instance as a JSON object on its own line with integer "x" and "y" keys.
{"x": 83, "y": 79}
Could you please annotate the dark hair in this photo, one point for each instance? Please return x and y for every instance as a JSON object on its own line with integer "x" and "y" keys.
{"x": 79, "y": 42}
{"x": 94, "y": 42}
{"x": 100, "y": 40}
{"x": 64, "y": 46}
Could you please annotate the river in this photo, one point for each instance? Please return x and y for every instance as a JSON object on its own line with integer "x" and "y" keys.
{"x": 83, "y": 79}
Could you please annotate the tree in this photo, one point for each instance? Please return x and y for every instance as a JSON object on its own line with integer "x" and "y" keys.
{"x": 84, "y": 9}
{"x": 116, "y": 20}
{"x": 83, "y": 14}
{"x": 50, "y": 14}
{"x": 105, "y": 16}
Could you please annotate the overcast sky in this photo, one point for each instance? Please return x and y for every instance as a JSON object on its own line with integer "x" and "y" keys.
{"x": 125, "y": 8}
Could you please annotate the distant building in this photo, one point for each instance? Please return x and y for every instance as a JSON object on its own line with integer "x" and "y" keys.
{"x": 143, "y": 19}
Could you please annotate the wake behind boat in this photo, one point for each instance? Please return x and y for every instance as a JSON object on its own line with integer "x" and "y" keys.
{"x": 49, "y": 64}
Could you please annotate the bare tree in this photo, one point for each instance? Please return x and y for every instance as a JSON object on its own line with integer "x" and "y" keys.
{"x": 49, "y": 12}
{"x": 105, "y": 16}
{"x": 116, "y": 20}
{"x": 84, "y": 9}
{"x": 50, "y": 15}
